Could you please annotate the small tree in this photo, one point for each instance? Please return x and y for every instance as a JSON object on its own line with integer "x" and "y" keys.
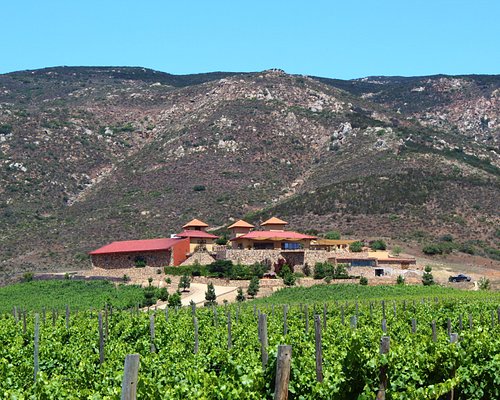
{"x": 240, "y": 296}
{"x": 185, "y": 282}
{"x": 174, "y": 300}
{"x": 378, "y": 245}
{"x": 400, "y": 280}
{"x": 484, "y": 283}
{"x": 221, "y": 240}
{"x": 168, "y": 281}
{"x": 332, "y": 235}
{"x": 356, "y": 247}
{"x": 306, "y": 269}
{"x": 396, "y": 250}
{"x": 427, "y": 278}
{"x": 27, "y": 277}
{"x": 253, "y": 287}
{"x": 363, "y": 281}
{"x": 210, "y": 296}
{"x": 289, "y": 279}
{"x": 150, "y": 281}
{"x": 163, "y": 294}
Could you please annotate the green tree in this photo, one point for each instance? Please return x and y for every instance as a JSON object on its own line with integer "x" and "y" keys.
{"x": 332, "y": 235}
{"x": 221, "y": 240}
{"x": 174, "y": 300}
{"x": 356, "y": 247}
{"x": 240, "y": 296}
{"x": 396, "y": 250}
{"x": 185, "y": 282}
{"x": 306, "y": 269}
{"x": 400, "y": 280}
{"x": 363, "y": 281}
{"x": 484, "y": 283}
{"x": 253, "y": 287}
{"x": 289, "y": 279}
{"x": 163, "y": 294}
{"x": 378, "y": 245}
{"x": 210, "y": 296}
{"x": 427, "y": 278}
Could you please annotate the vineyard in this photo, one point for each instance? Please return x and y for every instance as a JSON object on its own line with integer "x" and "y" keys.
{"x": 435, "y": 345}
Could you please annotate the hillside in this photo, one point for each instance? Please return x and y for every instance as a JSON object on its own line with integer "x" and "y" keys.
{"x": 94, "y": 154}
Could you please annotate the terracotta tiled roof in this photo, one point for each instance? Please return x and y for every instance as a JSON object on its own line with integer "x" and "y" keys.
{"x": 274, "y": 221}
{"x": 241, "y": 224}
{"x": 196, "y": 234}
{"x": 130, "y": 246}
{"x": 195, "y": 223}
{"x": 332, "y": 242}
{"x": 272, "y": 235}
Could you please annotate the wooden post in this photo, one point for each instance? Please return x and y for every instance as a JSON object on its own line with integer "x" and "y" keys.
{"x": 453, "y": 339}
{"x": 152, "y": 332}
{"x": 371, "y": 310}
{"x": 285, "y": 327}
{"x": 413, "y": 325}
{"x": 434, "y": 333}
{"x": 193, "y": 309}
{"x": 67, "y": 316}
{"x": 342, "y": 314}
{"x": 215, "y": 316}
{"x": 460, "y": 324}
{"x": 195, "y": 322}
{"x": 35, "y": 351}
{"x": 283, "y": 363}
{"x": 166, "y": 313}
{"x": 394, "y": 308}
{"x": 353, "y": 322}
{"x": 53, "y": 317}
{"x": 448, "y": 324}
{"x": 470, "y": 321}
{"x": 404, "y": 305}
{"x": 492, "y": 319}
{"x": 130, "y": 376}
{"x": 498, "y": 314}
{"x": 106, "y": 329}
{"x": 307, "y": 319}
{"x": 14, "y": 313}
{"x": 101, "y": 339}
{"x": 254, "y": 310}
{"x": 384, "y": 349}
{"x": 384, "y": 325}
{"x": 319, "y": 353}
{"x": 43, "y": 315}
{"x": 383, "y": 309}
{"x": 229, "y": 336}
{"x": 263, "y": 339}
{"x": 356, "y": 312}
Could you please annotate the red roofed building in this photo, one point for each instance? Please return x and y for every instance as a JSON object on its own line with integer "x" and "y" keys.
{"x": 274, "y": 237}
{"x": 151, "y": 252}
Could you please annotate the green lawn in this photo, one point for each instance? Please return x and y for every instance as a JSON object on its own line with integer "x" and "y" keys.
{"x": 77, "y": 294}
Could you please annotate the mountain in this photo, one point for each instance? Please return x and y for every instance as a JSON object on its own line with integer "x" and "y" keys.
{"x": 89, "y": 155}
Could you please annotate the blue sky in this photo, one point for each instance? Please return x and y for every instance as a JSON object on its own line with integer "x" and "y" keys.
{"x": 348, "y": 39}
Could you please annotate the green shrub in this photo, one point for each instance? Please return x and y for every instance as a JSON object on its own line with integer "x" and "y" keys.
{"x": 210, "y": 296}
{"x": 400, "y": 280}
{"x": 163, "y": 294}
{"x": 378, "y": 245}
{"x": 199, "y": 188}
{"x": 239, "y": 295}
{"x": 427, "y": 278}
{"x": 432, "y": 249}
{"x": 184, "y": 283}
{"x": 140, "y": 262}
{"x": 356, "y": 247}
{"x": 126, "y": 278}
{"x": 306, "y": 269}
{"x": 363, "y": 281}
{"x": 192, "y": 270}
{"x": 332, "y": 235}
{"x": 174, "y": 300}
{"x": 253, "y": 287}
{"x": 484, "y": 283}
{"x": 27, "y": 277}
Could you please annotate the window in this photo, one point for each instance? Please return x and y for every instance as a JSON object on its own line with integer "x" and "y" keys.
{"x": 290, "y": 246}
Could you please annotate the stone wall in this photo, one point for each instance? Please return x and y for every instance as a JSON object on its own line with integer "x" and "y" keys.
{"x": 155, "y": 259}
{"x": 200, "y": 257}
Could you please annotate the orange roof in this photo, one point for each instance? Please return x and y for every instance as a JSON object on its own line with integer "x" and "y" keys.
{"x": 241, "y": 224}
{"x": 274, "y": 221}
{"x": 195, "y": 222}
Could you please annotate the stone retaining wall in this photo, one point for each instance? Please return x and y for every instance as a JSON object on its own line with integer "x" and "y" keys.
{"x": 156, "y": 259}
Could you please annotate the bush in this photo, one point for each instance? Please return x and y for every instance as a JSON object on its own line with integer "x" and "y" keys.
{"x": 184, "y": 283}
{"x": 400, "y": 280}
{"x": 126, "y": 278}
{"x": 427, "y": 278}
{"x": 289, "y": 279}
{"x": 210, "y": 296}
{"x": 484, "y": 283}
{"x": 140, "y": 262}
{"x": 332, "y": 235}
{"x": 221, "y": 241}
{"x": 378, "y": 245}
{"x": 163, "y": 294}
{"x": 27, "y": 277}
{"x": 220, "y": 267}
{"x": 253, "y": 288}
{"x": 322, "y": 270}
{"x": 174, "y": 300}
{"x": 356, "y": 247}
{"x": 363, "y": 281}
{"x": 158, "y": 271}
{"x": 447, "y": 238}
{"x": 199, "y": 188}
{"x": 467, "y": 248}
{"x": 192, "y": 270}
{"x": 240, "y": 296}
{"x": 306, "y": 269}
{"x": 396, "y": 250}
{"x": 432, "y": 249}
{"x": 328, "y": 279}
{"x": 67, "y": 276}
{"x": 149, "y": 297}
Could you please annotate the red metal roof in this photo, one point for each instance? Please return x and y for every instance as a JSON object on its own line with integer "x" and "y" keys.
{"x": 274, "y": 235}
{"x": 130, "y": 246}
{"x": 196, "y": 234}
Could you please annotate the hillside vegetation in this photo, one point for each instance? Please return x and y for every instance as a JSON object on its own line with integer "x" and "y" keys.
{"x": 89, "y": 155}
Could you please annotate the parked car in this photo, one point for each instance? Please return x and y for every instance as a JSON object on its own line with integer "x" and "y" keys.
{"x": 459, "y": 278}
